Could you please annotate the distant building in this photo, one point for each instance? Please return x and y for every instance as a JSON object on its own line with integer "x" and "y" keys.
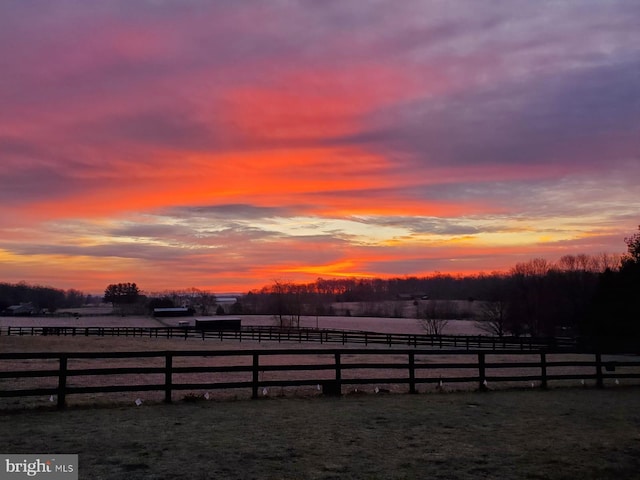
{"x": 226, "y": 324}
{"x": 413, "y": 296}
{"x": 226, "y": 300}
{"x": 173, "y": 312}
{"x": 22, "y": 310}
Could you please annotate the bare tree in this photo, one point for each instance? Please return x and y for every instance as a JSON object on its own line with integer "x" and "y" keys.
{"x": 434, "y": 316}
{"x": 287, "y": 303}
{"x": 493, "y": 317}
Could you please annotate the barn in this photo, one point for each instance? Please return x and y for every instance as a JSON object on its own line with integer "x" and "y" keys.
{"x": 219, "y": 324}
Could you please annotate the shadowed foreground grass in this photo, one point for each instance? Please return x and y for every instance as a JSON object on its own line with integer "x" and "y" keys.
{"x": 557, "y": 434}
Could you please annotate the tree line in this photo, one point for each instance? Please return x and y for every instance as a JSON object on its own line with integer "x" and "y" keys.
{"x": 595, "y": 297}
{"x": 535, "y": 297}
{"x": 41, "y": 298}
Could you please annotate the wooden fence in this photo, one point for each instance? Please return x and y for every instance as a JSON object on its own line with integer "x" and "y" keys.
{"x": 328, "y": 370}
{"x": 322, "y": 336}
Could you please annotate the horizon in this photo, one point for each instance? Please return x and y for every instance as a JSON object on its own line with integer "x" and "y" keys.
{"x": 224, "y": 146}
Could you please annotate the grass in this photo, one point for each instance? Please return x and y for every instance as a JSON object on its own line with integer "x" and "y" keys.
{"x": 556, "y": 434}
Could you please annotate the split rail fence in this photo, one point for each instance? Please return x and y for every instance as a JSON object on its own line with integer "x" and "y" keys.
{"x": 60, "y": 375}
{"x": 304, "y": 335}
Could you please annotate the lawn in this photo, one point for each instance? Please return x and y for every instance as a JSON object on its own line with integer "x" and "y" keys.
{"x": 557, "y": 434}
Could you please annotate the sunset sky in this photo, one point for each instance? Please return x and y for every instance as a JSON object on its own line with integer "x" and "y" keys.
{"x": 224, "y": 145}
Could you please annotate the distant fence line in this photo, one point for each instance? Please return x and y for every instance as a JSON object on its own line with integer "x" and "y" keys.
{"x": 300, "y": 335}
{"x": 300, "y": 367}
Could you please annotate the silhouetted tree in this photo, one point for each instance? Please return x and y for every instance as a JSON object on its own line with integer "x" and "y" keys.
{"x": 435, "y": 316}
{"x": 286, "y": 302}
{"x": 614, "y": 320}
{"x": 42, "y": 298}
{"x": 633, "y": 248}
{"x": 493, "y": 317}
{"x": 162, "y": 302}
{"x": 121, "y": 293}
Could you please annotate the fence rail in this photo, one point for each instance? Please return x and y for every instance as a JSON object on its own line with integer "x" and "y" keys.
{"x": 328, "y": 369}
{"x": 300, "y": 335}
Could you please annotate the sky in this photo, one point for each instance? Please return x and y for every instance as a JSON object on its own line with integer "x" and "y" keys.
{"x": 224, "y": 145}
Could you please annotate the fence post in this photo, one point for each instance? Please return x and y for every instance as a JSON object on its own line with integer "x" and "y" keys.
{"x": 412, "y": 373}
{"x": 62, "y": 382}
{"x": 543, "y": 368}
{"x": 168, "y": 373}
{"x": 482, "y": 373}
{"x": 599, "y": 378}
{"x": 256, "y": 372}
{"x": 338, "y": 374}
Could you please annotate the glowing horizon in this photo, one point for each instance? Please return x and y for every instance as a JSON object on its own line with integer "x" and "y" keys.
{"x": 223, "y": 146}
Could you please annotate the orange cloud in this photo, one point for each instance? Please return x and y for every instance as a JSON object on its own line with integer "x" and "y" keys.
{"x": 264, "y": 177}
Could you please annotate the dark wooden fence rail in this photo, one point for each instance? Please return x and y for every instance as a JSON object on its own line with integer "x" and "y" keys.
{"x": 271, "y": 334}
{"x": 329, "y": 369}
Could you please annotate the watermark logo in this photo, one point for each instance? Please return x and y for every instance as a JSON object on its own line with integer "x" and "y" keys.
{"x": 47, "y": 467}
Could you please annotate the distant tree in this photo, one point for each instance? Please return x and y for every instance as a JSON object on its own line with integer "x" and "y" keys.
{"x": 74, "y": 298}
{"x": 42, "y": 298}
{"x": 614, "y": 320}
{"x": 286, "y": 303}
{"x": 491, "y": 311}
{"x": 529, "y": 298}
{"x": 435, "y": 316}
{"x": 162, "y": 302}
{"x": 236, "y": 308}
{"x": 121, "y": 293}
{"x": 220, "y": 310}
{"x": 633, "y": 247}
{"x": 493, "y": 317}
{"x": 49, "y": 298}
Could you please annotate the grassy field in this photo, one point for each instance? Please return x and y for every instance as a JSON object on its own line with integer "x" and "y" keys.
{"x": 557, "y": 434}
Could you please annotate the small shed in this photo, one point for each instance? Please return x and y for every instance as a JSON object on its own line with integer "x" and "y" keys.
{"x": 219, "y": 324}
{"x": 172, "y": 312}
